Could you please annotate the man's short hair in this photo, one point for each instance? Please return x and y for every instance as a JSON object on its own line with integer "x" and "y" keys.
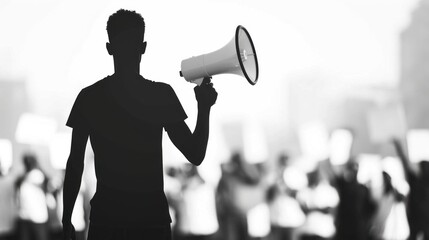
{"x": 124, "y": 20}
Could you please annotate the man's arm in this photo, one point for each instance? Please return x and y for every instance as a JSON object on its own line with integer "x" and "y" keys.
{"x": 194, "y": 145}
{"x": 73, "y": 178}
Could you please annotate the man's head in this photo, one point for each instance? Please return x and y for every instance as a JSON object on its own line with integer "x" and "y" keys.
{"x": 30, "y": 162}
{"x": 126, "y": 29}
{"x": 351, "y": 169}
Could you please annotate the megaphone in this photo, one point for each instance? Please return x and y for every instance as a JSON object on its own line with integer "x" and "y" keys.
{"x": 237, "y": 57}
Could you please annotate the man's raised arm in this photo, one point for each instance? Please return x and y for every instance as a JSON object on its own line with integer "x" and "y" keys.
{"x": 194, "y": 145}
{"x": 403, "y": 157}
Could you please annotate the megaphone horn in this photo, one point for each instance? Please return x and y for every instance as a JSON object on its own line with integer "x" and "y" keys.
{"x": 237, "y": 57}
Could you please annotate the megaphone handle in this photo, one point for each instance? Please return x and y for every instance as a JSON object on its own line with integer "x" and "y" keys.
{"x": 199, "y": 81}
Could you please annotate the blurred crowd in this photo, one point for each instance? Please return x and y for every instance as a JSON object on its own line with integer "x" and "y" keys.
{"x": 285, "y": 199}
{"x": 31, "y": 203}
{"x": 363, "y": 198}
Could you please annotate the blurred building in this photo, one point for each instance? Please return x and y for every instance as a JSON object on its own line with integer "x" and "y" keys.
{"x": 14, "y": 101}
{"x": 338, "y": 104}
{"x": 414, "y": 67}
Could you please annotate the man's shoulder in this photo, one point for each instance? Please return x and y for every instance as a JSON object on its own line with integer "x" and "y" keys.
{"x": 160, "y": 90}
{"x": 162, "y": 86}
{"x": 94, "y": 89}
{"x": 97, "y": 85}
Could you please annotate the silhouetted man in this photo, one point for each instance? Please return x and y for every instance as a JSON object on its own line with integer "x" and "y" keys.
{"x": 124, "y": 115}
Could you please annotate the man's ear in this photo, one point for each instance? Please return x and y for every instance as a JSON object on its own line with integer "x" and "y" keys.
{"x": 143, "y": 47}
{"x": 109, "y": 48}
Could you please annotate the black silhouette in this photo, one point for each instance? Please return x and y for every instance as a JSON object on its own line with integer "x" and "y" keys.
{"x": 418, "y": 198}
{"x": 124, "y": 115}
{"x": 356, "y": 206}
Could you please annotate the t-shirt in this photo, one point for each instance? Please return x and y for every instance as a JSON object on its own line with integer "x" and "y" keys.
{"x": 32, "y": 198}
{"x": 197, "y": 208}
{"x": 354, "y": 210}
{"x": 125, "y": 126}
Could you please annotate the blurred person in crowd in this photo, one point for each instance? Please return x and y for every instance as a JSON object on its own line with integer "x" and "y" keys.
{"x": 197, "y": 207}
{"x": 55, "y": 226}
{"x": 386, "y": 223}
{"x": 258, "y": 211}
{"x": 356, "y": 205}
{"x": 258, "y": 222}
{"x": 7, "y": 205}
{"x": 319, "y": 201}
{"x": 32, "y": 202}
{"x": 286, "y": 214}
{"x": 173, "y": 181}
{"x": 418, "y": 197}
{"x": 124, "y": 115}
{"x": 236, "y": 194}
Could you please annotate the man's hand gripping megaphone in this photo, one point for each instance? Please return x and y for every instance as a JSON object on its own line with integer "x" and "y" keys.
{"x": 205, "y": 94}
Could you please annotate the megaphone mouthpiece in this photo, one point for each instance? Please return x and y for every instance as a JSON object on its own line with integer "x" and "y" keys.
{"x": 237, "y": 57}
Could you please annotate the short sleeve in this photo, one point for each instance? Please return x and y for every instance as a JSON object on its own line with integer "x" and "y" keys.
{"x": 174, "y": 111}
{"x": 77, "y": 119}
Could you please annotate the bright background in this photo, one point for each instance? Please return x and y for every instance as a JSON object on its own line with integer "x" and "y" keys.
{"x": 52, "y": 49}
{"x": 325, "y": 66}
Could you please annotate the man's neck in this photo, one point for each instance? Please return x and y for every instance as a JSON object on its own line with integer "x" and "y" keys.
{"x": 126, "y": 68}
{"x": 127, "y": 74}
